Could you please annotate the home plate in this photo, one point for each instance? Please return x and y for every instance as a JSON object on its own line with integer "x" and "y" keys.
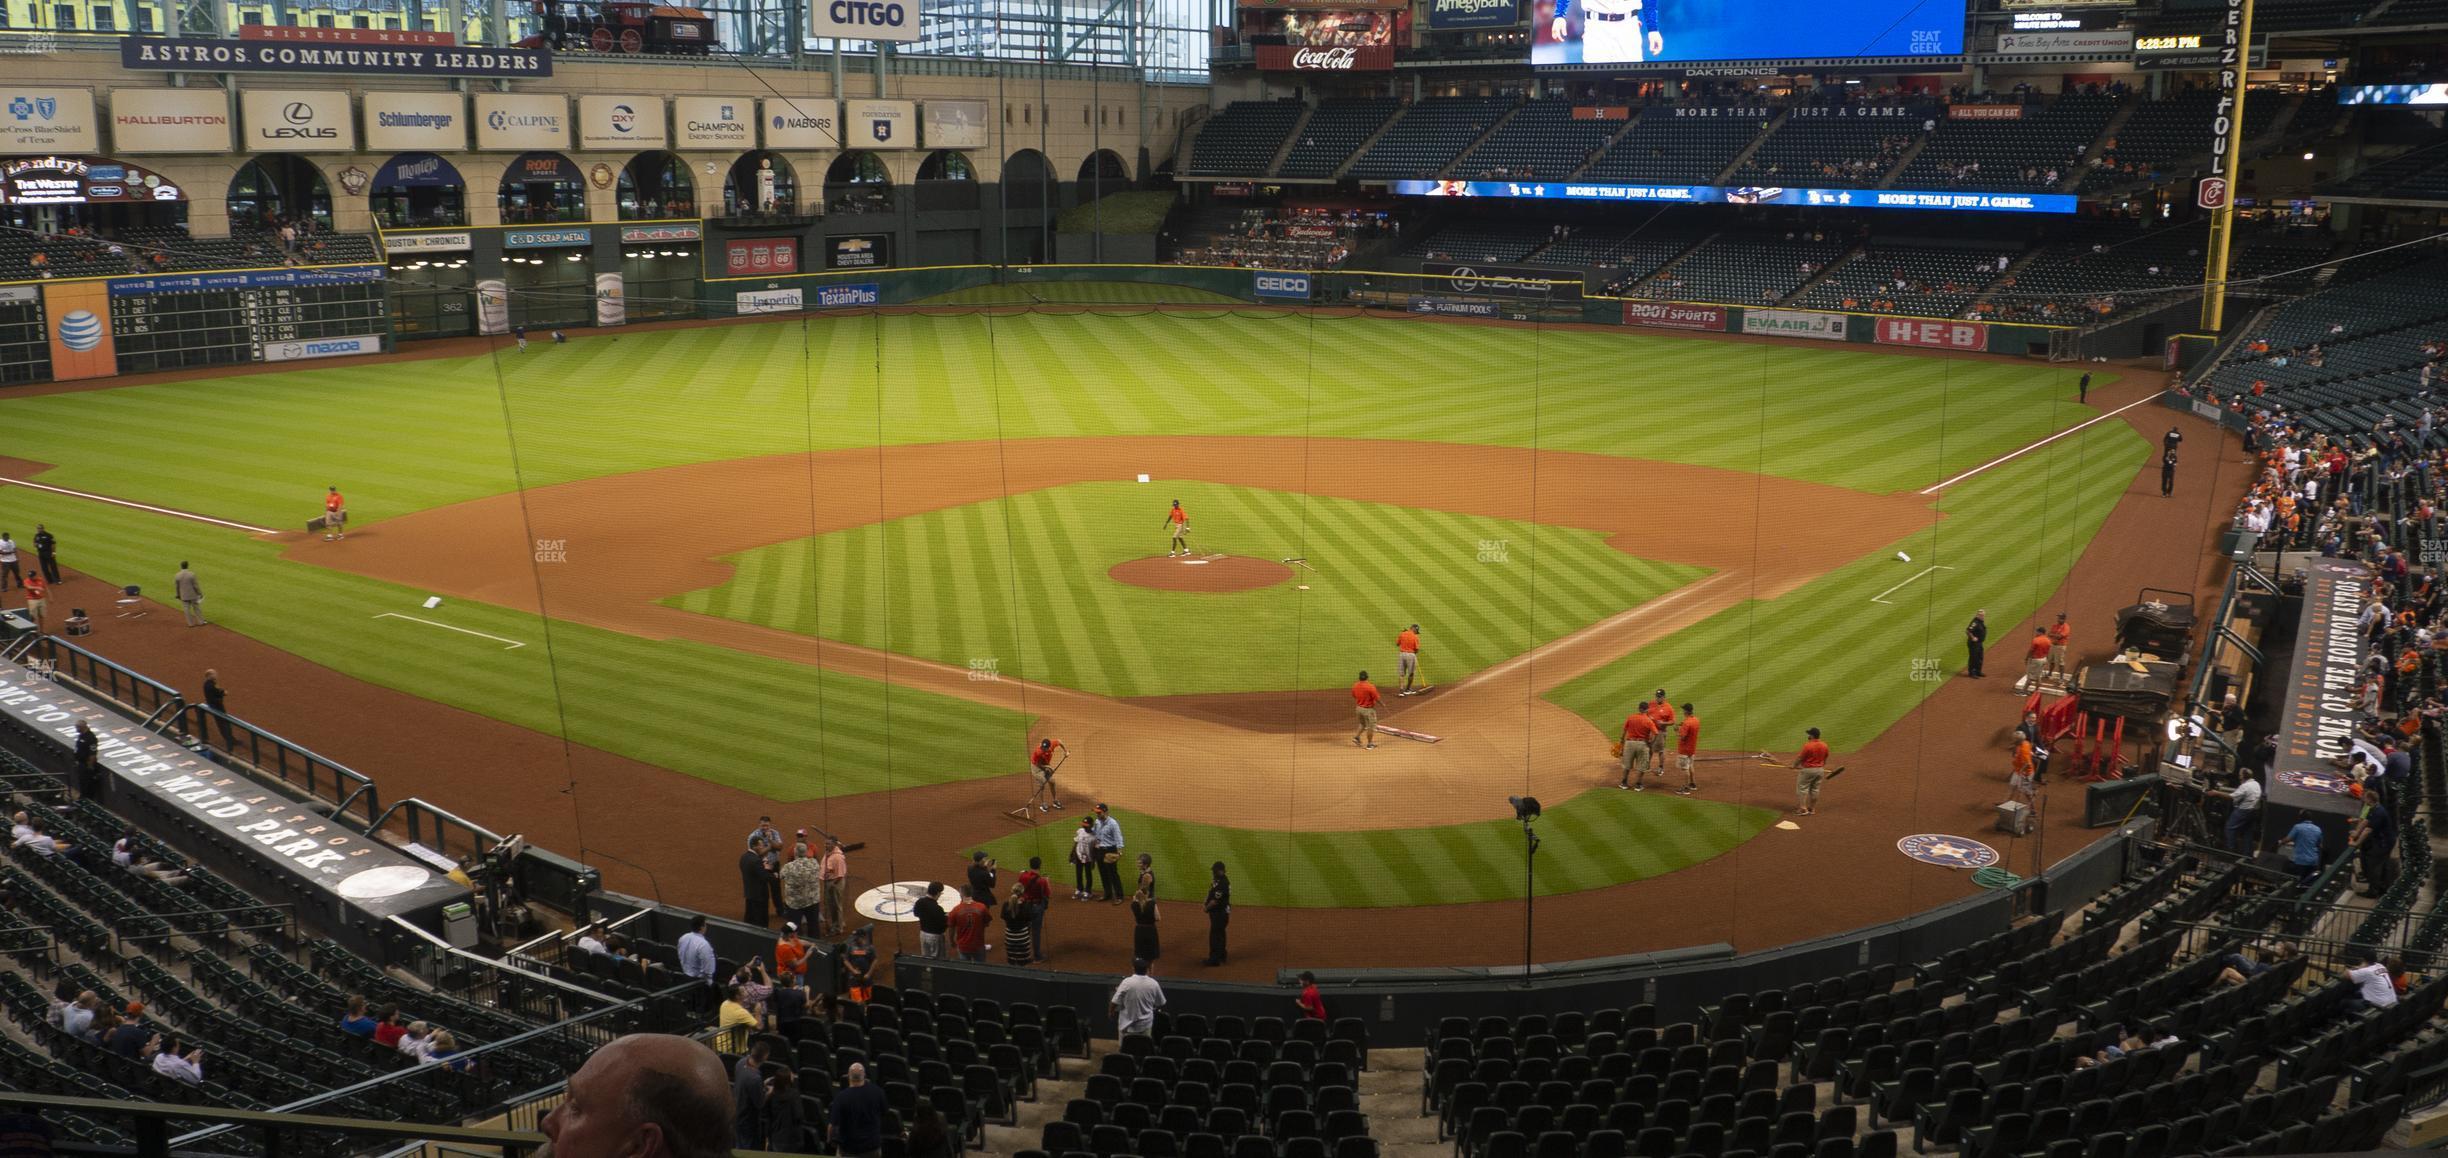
{"x": 1408, "y": 734}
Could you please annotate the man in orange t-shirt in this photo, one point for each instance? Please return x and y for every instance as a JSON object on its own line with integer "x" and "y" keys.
{"x": 1638, "y": 728}
{"x": 1177, "y": 524}
{"x": 1364, "y": 702}
{"x": 1810, "y": 771}
{"x": 1406, "y": 659}
{"x": 2019, "y": 773}
{"x": 2036, "y": 662}
{"x": 335, "y": 515}
{"x": 1661, "y": 713}
{"x": 2058, "y": 635}
{"x": 1687, "y": 745}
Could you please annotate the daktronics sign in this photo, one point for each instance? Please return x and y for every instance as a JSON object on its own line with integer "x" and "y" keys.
{"x": 1667, "y": 315}
{"x": 894, "y": 20}
{"x": 1348, "y": 58}
{"x": 1931, "y": 334}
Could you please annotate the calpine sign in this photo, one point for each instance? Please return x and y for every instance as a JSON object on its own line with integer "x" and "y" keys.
{"x": 1344, "y": 58}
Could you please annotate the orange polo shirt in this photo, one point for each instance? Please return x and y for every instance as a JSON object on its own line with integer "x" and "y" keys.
{"x": 1690, "y": 741}
{"x": 2023, "y": 757}
{"x": 1364, "y": 694}
{"x": 1638, "y": 728}
{"x": 2040, "y": 646}
{"x": 1663, "y": 713}
{"x": 332, "y": 501}
{"x": 1408, "y": 641}
{"x": 1814, "y": 755}
{"x": 1177, "y": 515}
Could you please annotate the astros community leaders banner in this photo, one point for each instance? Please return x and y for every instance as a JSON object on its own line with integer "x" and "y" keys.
{"x": 1743, "y": 195}
{"x": 210, "y": 54}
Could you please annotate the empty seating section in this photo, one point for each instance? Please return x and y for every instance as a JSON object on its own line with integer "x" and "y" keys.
{"x": 1211, "y": 1087}
{"x": 1430, "y": 135}
{"x": 1832, "y": 146}
{"x": 1929, "y": 282}
{"x": 2154, "y": 135}
{"x": 1483, "y": 241}
{"x": 2099, "y": 271}
{"x": 1620, "y": 254}
{"x": 1334, "y": 132}
{"x": 1542, "y": 140}
{"x": 2370, "y": 334}
{"x": 1242, "y": 140}
{"x": 2415, "y": 174}
{"x": 1680, "y": 144}
{"x": 2032, "y": 152}
{"x": 1743, "y": 270}
{"x": 169, "y": 250}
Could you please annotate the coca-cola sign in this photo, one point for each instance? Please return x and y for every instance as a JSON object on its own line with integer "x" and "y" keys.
{"x": 1343, "y": 58}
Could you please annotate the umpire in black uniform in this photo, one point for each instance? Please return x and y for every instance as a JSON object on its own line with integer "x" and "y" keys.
{"x": 1219, "y": 914}
{"x": 1976, "y": 644}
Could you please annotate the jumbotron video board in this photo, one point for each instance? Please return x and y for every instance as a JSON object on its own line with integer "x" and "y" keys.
{"x": 1577, "y": 33}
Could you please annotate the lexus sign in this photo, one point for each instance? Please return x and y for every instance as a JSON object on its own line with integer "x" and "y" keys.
{"x": 1345, "y": 58}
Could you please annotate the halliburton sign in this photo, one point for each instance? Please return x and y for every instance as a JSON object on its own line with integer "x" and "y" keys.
{"x": 1935, "y": 335}
{"x": 1347, "y": 58}
{"x": 1675, "y": 317}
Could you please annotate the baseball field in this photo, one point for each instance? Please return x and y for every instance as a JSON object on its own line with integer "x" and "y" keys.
{"x": 819, "y": 559}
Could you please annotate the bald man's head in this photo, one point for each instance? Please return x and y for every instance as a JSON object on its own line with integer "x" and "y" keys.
{"x": 648, "y": 1095}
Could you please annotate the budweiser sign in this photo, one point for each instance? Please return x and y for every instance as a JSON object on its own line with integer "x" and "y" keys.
{"x": 1344, "y": 58}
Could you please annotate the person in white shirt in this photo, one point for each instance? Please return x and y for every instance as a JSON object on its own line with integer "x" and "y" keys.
{"x": 20, "y": 827}
{"x": 2243, "y": 813}
{"x": 2375, "y": 981}
{"x": 41, "y": 844}
{"x": 1136, "y": 1000}
{"x": 78, "y": 1017}
{"x": 417, "y": 1042}
{"x": 591, "y": 939}
{"x": 171, "y": 1064}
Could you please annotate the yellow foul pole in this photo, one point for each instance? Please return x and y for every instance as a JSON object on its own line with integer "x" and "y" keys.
{"x": 2226, "y": 156}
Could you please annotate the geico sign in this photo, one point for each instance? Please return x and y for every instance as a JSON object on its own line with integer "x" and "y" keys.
{"x": 1287, "y": 285}
{"x": 1336, "y": 59}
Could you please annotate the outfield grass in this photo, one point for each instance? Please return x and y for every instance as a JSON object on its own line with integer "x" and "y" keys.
{"x": 1591, "y": 841}
{"x": 1023, "y": 583}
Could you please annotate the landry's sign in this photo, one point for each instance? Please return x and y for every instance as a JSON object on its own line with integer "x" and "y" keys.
{"x": 1347, "y": 58}
{"x": 283, "y": 833}
{"x": 208, "y": 54}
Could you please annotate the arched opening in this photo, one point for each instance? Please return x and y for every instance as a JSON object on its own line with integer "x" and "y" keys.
{"x": 1102, "y": 173}
{"x": 1028, "y": 208}
{"x": 858, "y": 182}
{"x": 761, "y": 184}
{"x": 1028, "y": 181}
{"x": 946, "y": 165}
{"x": 656, "y": 185}
{"x": 418, "y": 190}
{"x": 122, "y": 219}
{"x": 276, "y": 190}
{"x": 542, "y": 187}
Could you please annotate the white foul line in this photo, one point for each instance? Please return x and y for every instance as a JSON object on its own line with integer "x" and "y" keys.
{"x": 139, "y": 506}
{"x": 1881, "y": 597}
{"x": 2037, "y": 445}
{"x": 514, "y": 644}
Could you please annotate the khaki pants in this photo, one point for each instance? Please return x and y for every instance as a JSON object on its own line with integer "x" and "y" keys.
{"x": 1806, "y": 784}
{"x": 1367, "y": 731}
{"x": 2035, "y": 669}
{"x": 835, "y": 903}
{"x": 36, "y": 609}
{"x": 1635, "y": 758}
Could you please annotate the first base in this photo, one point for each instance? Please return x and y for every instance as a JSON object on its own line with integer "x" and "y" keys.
{"x": 1143, "y": 478}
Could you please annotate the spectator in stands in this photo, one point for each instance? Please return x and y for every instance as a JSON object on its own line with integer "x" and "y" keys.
{"x": 646, "y": 1095}
{"x": 128, "y": 853}
{"x": 443, "y": 1049}
{"x": 785, "y": 1115}
{"x": 2303, "y": 842}
{"x": 78, "y": 1017}
{"x": 928, "y": 1138}
{"x": 930, "y": 914}
{"x": 733, "y": 1021}
{"x": 802, "y": 880}
{"x": 39, "y": 842}
{"x": 185, "y": 1067}
{"x": 788, "y": 1001}
{"x": 858, "y": 1115}
{"x": 355, "y": 1021}
{"x": 1312, "y": 1003}
{"x": 790, "y": 953}
{"x": 21, "y": 826}
{"x": 749, "y": 1090}
{"x": 1135, "y": 1001}
{"x": 858, "y": 965}
{"x": 2238, "y": 968}
{"x": 591, "y": 939}
{"x": 697, "y": 953}
{"x": 755, "y": 880}
{"x": 2374, "y": 839}
{"x": 967, "y": 924}
{"x": 2375, "y": 981}
{"x": 754, "y": 984}
{"x": 2243, "y": 813}
{"x": 132, "y": 1039}
{"x": 416, "y": 1039}
{"x": 388, "y": 1028}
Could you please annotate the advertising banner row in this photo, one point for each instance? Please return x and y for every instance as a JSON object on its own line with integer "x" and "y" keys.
{"x": 1745, "y": 195}
{"x": 1926, "y": 333}
{"x": 203, "y": 120}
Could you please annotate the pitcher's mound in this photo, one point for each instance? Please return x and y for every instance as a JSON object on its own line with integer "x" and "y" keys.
{"x": 1201, "y": 573}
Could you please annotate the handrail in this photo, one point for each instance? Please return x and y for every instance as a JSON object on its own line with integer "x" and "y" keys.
{"x": 152, "y": 1121}
{"x": 348, "y": 787}
{"x": 164, "y": 696}
{"x": 454, "y": 951}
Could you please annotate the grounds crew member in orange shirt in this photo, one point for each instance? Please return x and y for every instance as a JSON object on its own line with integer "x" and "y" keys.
{"x": 335, "y": 515}
{"x": 2058, "y": 635}
{"x": 2019, "y": 773}
{"x": 1687, "y": 745}
{"x": 1177, "y": 524}
{"x": 2035, "y": 664}
{"x": 1634, "y": 747}
{"x": 1810, "y": 770}
{"x": 1406, "y": 659}
{"x": 1364, "y": 701}
{"x": 1661, "y": 713}
{"x": 1041, "y": 772}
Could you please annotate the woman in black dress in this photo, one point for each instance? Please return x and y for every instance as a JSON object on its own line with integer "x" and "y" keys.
{"x": 1143, "y": 930}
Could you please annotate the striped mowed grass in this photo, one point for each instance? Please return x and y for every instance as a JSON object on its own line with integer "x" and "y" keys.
{"x": 1591, "y": 841}
{"x": 1020, "y": 586}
